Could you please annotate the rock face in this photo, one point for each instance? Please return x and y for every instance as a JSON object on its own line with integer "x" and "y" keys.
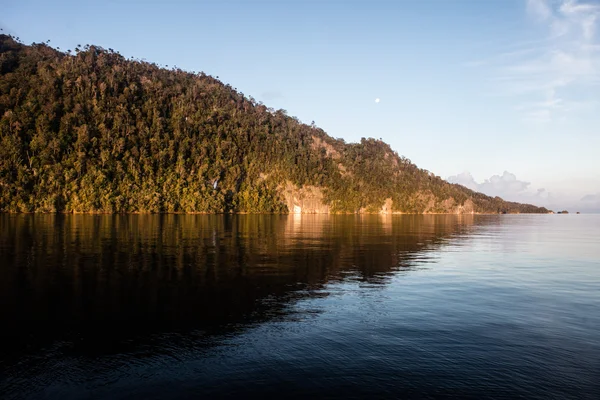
{"x": 318, "y": 144}
{"x": 305, "y": 200}
{"x": 310, "y": 200}
{"x": 466, "y": 208}
{"x": 387, "y": 206}
{"x": 448, "y": 206}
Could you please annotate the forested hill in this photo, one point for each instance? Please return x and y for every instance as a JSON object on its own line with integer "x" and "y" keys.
{"x": 89, "y": 131}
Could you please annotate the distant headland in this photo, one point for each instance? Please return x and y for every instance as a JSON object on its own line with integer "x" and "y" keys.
{"x": 87, "y": 131}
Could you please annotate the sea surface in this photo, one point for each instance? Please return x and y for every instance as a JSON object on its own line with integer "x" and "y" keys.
{"x": 299, "y": 306}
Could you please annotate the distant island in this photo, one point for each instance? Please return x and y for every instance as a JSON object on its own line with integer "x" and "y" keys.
{"x": 87, "y": 131}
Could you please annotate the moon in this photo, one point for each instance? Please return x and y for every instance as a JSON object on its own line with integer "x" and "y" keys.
{"x": 377, "y": 100}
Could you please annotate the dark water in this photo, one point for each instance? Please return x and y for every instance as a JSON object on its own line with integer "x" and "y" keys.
{"x": 174, "y": 306}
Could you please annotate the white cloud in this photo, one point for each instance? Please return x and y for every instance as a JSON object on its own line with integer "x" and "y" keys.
{"x": 539, "y": 9}
{"x": 590, "y": 203}
{"x": 506, "y": 185}
{"x": 509, "y": 187}
{"x": 547, "y": 75}
{"x": 573, "y": 7}
{"x": 466, "y": 179}
{"x": 592, "y": 198}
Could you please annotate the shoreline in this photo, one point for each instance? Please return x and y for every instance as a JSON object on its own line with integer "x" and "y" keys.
{"x": 251, "y": 213}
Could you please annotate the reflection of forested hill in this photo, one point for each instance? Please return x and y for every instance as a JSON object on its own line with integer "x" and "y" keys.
{"x": 93, "y": 279}
{"x": 89, "y": 131}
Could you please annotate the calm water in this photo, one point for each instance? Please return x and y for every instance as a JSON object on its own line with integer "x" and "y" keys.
{"x": 175, "y": 306}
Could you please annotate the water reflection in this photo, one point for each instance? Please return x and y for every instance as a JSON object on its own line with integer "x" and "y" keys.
{"x": 313, "y": 306}
{"x": 101, "y": 281}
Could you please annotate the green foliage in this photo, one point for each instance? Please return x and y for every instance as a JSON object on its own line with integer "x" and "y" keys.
{"x": 93, "y": 132}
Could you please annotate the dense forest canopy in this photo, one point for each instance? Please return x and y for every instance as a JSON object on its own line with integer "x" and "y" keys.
{"x": 89, "y": 131}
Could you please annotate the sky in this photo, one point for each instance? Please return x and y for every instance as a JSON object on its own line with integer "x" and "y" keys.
{"x": 502, "y": 96}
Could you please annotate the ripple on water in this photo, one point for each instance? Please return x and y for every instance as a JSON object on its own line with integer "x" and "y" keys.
{"x": 315, "y": 306}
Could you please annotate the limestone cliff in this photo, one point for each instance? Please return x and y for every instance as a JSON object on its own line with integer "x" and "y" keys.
{"x": 305, "y": 200}
{"x": 311, "y": 200}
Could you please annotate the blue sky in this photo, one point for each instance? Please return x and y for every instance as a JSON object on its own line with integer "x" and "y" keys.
{"x": 500, "y": 95}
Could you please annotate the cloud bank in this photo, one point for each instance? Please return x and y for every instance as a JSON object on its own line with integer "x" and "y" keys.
{"x": 506, "y": 185}
{"x": 509, "y": 187}
{"x": 591, "y": 198}
{"x": 591, "y": 202}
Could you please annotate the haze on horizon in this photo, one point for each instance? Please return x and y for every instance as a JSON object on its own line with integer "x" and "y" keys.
{"x": 500, "y": 96}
